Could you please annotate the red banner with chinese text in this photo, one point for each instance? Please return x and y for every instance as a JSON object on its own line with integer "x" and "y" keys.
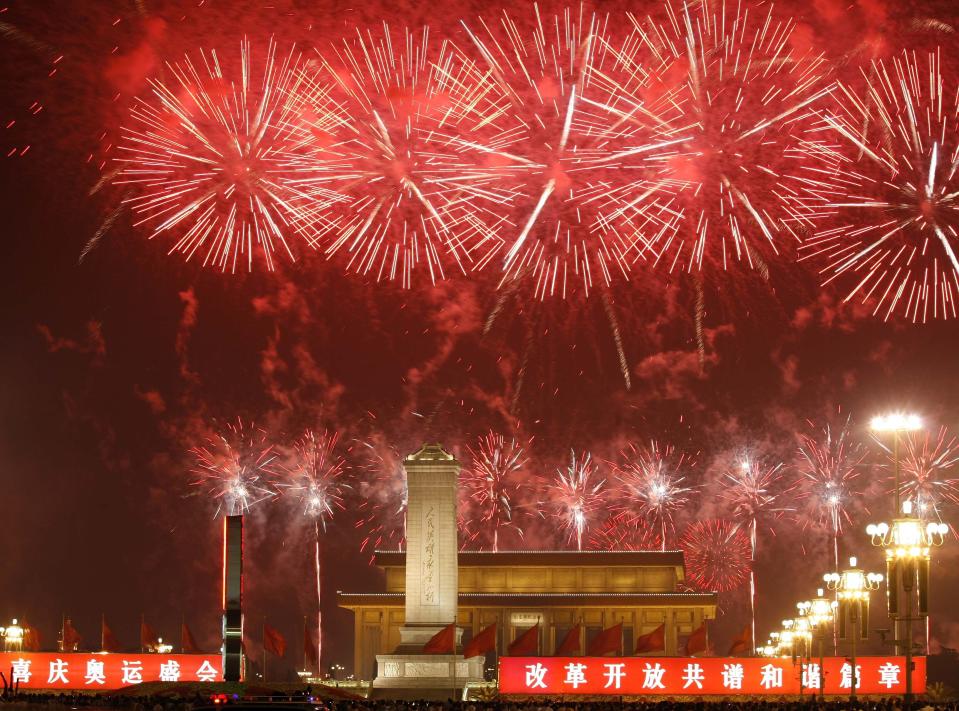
{"x": 685, "y": 676}
{"x": 98, "y": 671}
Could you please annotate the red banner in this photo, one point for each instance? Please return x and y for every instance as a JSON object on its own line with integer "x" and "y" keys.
{"x": 686, "y": 676}
{"x": 97, "y": 671}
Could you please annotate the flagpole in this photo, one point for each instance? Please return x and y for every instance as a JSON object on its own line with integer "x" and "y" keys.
{"x": 103, "y": 624}
{"x": 63, "y": 632}
{"x": 454, "y": 661}
{"x": 264, "y": 649}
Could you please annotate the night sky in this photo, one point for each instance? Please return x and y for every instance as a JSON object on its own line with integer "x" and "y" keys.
{"x": 114, "y": 367}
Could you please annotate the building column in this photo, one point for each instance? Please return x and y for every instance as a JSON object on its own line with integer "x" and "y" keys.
{"x": 672, "y": 634}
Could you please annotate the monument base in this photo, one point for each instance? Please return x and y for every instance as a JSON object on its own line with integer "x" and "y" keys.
{"x": 424, "y": 676}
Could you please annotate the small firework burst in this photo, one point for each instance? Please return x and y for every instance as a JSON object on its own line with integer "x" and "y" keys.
{"x": 717, "y": 554}
{"x": 210, "y": 159}
{"x": 829, "y": 465}
{"x": 649, "y": 483}
{"x": 888, "y": 209}
{"x": 495, "y": 495}
{"x": 236, "y": 467}
{"x": 576, "y": 494}
{"x": 316, "y": 477}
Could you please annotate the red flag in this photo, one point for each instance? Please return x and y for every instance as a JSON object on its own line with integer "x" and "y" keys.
{"x": 571, "y": 644}
{"x": 654, "y": 641}
{"x": 71, "y": 638}
{"x": 148, "y": 637}
{"x": 187, "y": 643}
{"x": 696, "y": 642}
{"x": 482, "y": 643}
{"x": 31, "y": 637}
{"x": 443, "y": 642}
{"x": 742, "y": 644}
{"x": 309, "y": 649}
{"x": 526, "y": 644}
{"x": 609, "y": 640}
{"x": 273, "y": 641}
{"x": 108, "y": 642}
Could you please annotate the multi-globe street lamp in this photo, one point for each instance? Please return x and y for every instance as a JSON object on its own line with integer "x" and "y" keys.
{"x": 907, "y": 543}
{"x": 854, "y": 587}
{"x": 821, "y": 614}
{"x": 12, "y": 637}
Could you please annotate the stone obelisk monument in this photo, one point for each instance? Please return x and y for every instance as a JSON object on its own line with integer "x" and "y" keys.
{"x": 432, "y": 584}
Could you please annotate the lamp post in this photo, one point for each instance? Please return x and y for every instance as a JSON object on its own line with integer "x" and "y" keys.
{"x": 896, "y": 422}
{"x": 801, "y": 631}
{"x": 853, "y": 586}
{"x": 12, "y": 637}
{"x": 907, "y": 544}
{"x": 821, "y": 612}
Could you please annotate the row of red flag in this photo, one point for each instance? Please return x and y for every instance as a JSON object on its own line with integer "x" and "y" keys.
{"x": 610, "y": 640}
{"x": 71, "y": 639}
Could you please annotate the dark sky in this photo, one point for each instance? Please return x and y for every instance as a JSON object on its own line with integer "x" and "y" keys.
{"x": 114, "y": 367}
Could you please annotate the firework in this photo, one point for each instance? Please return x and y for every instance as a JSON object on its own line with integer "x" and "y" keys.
{"x": 829, "y": 464}
{"x": 563, "y": 134}
{"x": 388, "y": 115}
{"x": 317, "y": 480}
{"x": 576, "y": 495}
{"x": 382, "y": 497}
{"x": 733, "y": 89}
{"x": 754, "y": 493}
{"x": 619, "y": 533}
{"x": 493, "y": 489}
{"x": 649, "y": 482}
{"x": 718, "y": 555}
{"x": 926, "y": 461}
{"x": 211, "y": 155}
{"x": 236, "y": 467}
{"x": 889, "y": 199}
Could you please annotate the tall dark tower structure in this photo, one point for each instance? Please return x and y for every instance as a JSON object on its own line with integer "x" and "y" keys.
{"x": 233, "y": 598}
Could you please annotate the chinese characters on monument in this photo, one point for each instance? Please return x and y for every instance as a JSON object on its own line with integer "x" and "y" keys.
{"x": 429, "y": 557}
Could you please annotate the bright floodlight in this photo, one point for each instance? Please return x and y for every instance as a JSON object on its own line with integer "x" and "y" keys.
{"x": 896, "y": 422}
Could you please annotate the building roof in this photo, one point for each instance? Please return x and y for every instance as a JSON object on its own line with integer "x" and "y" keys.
{"x": 547, "y": 558}
{"x": 539, "y": 599}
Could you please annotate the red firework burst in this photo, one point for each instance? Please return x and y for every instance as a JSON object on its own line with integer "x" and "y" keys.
{"x": 316, "y": 476}
{"x": 386, "y": 116}
{"x": 236, "y": 467}
{"x": 619, "y": 533}
{"x": 563, "y": 121}
{"x": 649, "y": 486}
{"x": 733, "y": 90}
{"x": 926, "y": 463}
{"x": 829, "y": 465}
{"x": 888, "y": 211}
{"x": 717, "y": 555}
{"x": 495, "y": 496}
{"x": 211, "y": 158}
{"x": 576, "y": 495}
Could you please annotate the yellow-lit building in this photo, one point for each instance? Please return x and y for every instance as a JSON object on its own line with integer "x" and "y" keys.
{"x": 557, "y": 589}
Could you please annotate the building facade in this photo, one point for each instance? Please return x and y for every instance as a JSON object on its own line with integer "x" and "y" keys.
{"x": 557, "y": 589}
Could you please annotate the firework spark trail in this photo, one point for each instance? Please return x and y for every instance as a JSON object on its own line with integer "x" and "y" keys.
{"x": 236, "y": 467}
{"x": 621, "y": 533}
{"x": 717, "y": 554}
{"x": 381, "y": 509}
{"x": 754, "y": 493}
{"x": 829, "y": 464}
{"x": 495, "y": 495}
{"x": 887, "y": 212}
{"x": 213, "y": 157}
{"x": 743, "y": 92}
{"x": 576, "y": 494}
{"x": 648, "y": 481}
{"x": 316, "y": 477}
{"x": 927, "y": 461}
{"x": 562, "y": 127}
{"x": 389, "y": 117}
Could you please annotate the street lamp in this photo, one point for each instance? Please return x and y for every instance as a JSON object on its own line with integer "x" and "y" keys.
{"x": 801, "y": 633}
{"x": 896, "y": 422}
{"x": 853, "y": 586}
{"x": 12, "y": 637}
{"x": 907, "y": 544}
{"x": 821, "y": 613}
